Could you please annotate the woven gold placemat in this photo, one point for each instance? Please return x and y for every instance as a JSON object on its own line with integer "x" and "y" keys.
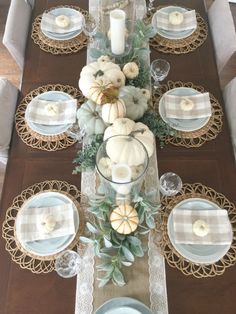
{"x": 194, "y": 138}
{"x": 58, "y": 47}
{"x": 173, "y": 258}
{"x": 26, "y": 260}
{"x": 180, "y": 46}
{"x": 34, "y": 139}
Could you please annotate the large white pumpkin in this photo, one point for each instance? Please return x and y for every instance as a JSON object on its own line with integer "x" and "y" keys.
{"x": 107, "y": 71}
{"x": 125, "y": 126}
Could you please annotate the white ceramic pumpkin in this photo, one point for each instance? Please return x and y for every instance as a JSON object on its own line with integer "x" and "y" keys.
{"x": 135, "y": 101}
{"x": 131, "y": 70}
{"x": 108, "y": 71}
{"x": 89, "y": 118}
{"x": 124, "y": 219}
{"x": 101, "y": 90}
{"x": 140, "y": 131}
{"x": 114, "y": 110}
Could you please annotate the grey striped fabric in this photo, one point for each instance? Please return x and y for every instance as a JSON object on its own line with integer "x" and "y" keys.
{"x": 220, "y": 231}
{"x": 201, "y": 109}
{"x": 48, "y": 23}
{"x": 30, "y": 222}
{"x": 52, "y": 112}
{"x": 189, "y": 22}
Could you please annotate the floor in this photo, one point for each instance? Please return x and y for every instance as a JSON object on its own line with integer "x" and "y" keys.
{"x": 8, "y": 67}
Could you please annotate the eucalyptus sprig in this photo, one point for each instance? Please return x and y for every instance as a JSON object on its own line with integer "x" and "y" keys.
{"x": 114, "y": 249}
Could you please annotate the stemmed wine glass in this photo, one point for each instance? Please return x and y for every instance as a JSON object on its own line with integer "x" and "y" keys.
{"x": 75, "y": 132}
{"x": 170, "y": 184}
{"x": 150, "y": 6}
{"x": 159, "y": 71}
{"x": 68, "y": 264}
{"x": 90, "y": 27}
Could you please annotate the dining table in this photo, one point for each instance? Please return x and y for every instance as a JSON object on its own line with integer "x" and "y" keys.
{"x": 212, "y": 164}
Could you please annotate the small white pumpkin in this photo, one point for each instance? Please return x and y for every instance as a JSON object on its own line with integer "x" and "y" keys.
{"x": 105, "y": 166}
{"x": 186, "y": 104}
{"x": 201, "y": 228}
{"x": 140, "y": 131}
{"x": 136, "y": 171}
{"x": 104, "y": 59}
{"x": 47, "y": 223}
{"x": 114, "y": 110}
{"x": 101, "y": 90}
{"x": 146, "y": 93}
{"x": 124, "y": 219}
{"x": 176, "y": 18}
{"x": 136, "y": 103}
{"x": 131, "y": 70}
{"x": 62, "y": 21}
{"x": 89, "y": 118}
{"x": 108, "y": 71}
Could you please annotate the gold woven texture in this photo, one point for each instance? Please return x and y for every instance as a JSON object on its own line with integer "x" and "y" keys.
{"x": 34, "y": 139}
{"x": 194, "y": 138}
{"x": 26, "y": 260}
{"x": 58, "y": 47}
{"x": 173, "y": 258}
{"x": 180, "y": 46}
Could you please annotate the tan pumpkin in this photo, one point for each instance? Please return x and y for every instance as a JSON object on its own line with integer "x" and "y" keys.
{"x": 124, "y": 219}
{"x": 114, "y": 110}
{"x": 101, "y": 91}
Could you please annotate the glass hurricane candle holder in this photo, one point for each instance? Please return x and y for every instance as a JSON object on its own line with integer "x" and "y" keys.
{"x": 121, "y": 163}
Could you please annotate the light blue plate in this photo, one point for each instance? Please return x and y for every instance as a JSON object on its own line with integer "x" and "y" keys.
{"x": 185, "y": 125}
{"x": 196, "y": 253}
{"x": 50, "y": 246}
{"x": 49, "y": 129}
{"x": 169, "y": 34}
{"x": 66, "y": 36}
{"x": 123, "y": 306}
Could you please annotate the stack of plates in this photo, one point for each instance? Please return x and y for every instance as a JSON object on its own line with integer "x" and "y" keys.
{"x": 170, "y": 34}
{"x": 65, "y": 36}
{"x": 123, "y": 306}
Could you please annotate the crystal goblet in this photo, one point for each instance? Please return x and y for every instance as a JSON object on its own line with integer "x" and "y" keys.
{"x": 68, "y": 264}
{"x": 159, "y": 71}
{"x": 90, "y": 27}
{"x": 170, "y": 184}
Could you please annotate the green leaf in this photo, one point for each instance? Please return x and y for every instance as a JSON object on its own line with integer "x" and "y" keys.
{"x": 86, "y": 240}
{"x": 103, "y": 282}
{"x": 91, "y": 228}
{"x": 134, "y": 240}
{"x": 107, "y": 243}
{"x": 126, "y": 263}
{"x": 137, "y": 250}
{"x": 127, "y": 254}
{"x": 118, "y": 277}
{"x": 150, "y": 222}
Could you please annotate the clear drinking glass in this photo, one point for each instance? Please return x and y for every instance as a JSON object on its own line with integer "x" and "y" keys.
{"x": 170, "y": 184}
{"x": 150, "y": 5}
{"x": 159, "y": 71}
{"x": 68, "y": 264}
{"x": 90, "y": 27}
{"x": 75, "y": 132}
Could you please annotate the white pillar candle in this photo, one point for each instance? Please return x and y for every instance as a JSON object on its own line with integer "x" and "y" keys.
{"x": 121, "y": 175}
{"x": 117, "y": 29}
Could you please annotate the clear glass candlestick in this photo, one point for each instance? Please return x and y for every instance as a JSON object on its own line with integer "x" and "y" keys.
{"x": 68, "y": 264}
{"x": 170, "y": 184}
{"x": 159, "y": 71}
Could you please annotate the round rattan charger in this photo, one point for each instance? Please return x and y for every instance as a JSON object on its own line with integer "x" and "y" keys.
{"x": 39, "y": 141}
{"x": 173, "y": 258}
{"x": 194, "y": 138}
{"x": 58, "y": 47}
{"x": 26, "y": 260}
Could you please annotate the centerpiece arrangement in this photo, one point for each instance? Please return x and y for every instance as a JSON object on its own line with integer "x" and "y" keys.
{"x": 115, "y": 119}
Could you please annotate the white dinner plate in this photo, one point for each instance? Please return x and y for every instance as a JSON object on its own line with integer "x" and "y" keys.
{"x": 171, "y": 34}
{"x": 49, "y": 130}
{"x": 185, "y": 125}
{"x": 123, "y": 306}
{"x": 66, "y": 36}
{"x": 49, "y": 246}
{"x": 197, "y": 253}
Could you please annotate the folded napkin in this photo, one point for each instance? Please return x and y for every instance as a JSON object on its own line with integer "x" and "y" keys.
{"x": 52, "y": 112}
{"x": 189, "y": 21}
{"x": 216, "y": 222}
{"x": 43, "y": 223}
{"x": 188, "y": 107}
{"x": 48, "y": 23}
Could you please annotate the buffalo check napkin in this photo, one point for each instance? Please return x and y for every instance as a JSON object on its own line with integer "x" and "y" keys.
{"x": 201, "y": 108}
{"x": 220, "y": 231}
{"x": 48, "y": 23}
{"x": 30, "y": 222}
{"x": 52, "y": 112}
{"x": 189, "y": 21}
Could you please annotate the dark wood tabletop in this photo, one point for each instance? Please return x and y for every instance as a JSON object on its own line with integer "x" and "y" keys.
{"x": 22, "y": 292}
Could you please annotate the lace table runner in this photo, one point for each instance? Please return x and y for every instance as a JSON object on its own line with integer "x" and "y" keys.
{"x": 151, "y": 291}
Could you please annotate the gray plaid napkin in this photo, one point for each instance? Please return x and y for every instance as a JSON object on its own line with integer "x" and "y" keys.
{"x": 189, "y": 22}
{"x": 48, "y": 23}
{"x": 220, "y": 231}
{"x": 52, "y": 112}
{"x": 31, "y": 222}
{"x": 201, "y": 106}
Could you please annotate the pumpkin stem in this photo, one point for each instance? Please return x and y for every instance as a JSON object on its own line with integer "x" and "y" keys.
{"x": 98, "y": 73}
{"x": 137, "y": 131}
